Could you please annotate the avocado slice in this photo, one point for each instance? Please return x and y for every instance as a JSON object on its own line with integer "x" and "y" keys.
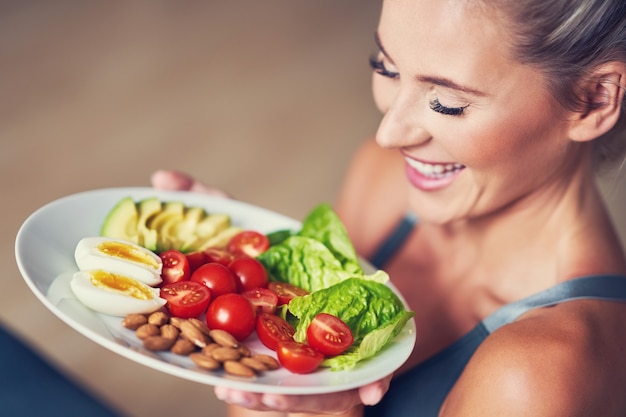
{"x": 159, "y": 226}
{"x": 162, "y": 223}
{"x": 121, "y": 221}
{"x": 220, "y": 239}
{"x": 148, "y": 208}
{"x": 207, "y": 228}
{"x": 184, "y": 231}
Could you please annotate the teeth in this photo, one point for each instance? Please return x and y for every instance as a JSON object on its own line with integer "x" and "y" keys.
{"x": 434, "y": 170}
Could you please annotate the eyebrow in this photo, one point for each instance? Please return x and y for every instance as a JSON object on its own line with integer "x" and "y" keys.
{"x": 443, "y": 82}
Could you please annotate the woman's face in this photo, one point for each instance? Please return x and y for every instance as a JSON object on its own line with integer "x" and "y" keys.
{"x": 478, "y": 131}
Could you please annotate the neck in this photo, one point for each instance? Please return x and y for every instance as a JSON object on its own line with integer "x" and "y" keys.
{"x": 550, "y": 235}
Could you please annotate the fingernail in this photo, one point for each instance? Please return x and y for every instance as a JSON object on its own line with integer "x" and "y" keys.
{"x": 373, "y": 396}
{"x": 274, "y": 402}
{"x": 240, "y": 398}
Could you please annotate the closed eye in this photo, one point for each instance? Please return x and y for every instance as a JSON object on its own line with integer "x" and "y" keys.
{"x": 379, "y": 67}
{"x": 435, "y": 105}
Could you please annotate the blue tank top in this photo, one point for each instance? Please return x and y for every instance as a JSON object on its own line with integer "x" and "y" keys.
{"x": 422, "y": 390}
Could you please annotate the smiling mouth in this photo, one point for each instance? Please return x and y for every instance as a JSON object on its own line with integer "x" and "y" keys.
{"x": 435, "y": 171}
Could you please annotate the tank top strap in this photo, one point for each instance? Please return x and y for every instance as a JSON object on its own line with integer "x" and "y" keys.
{"x": 394, "y": 240}
{"x": 600, "y": 287}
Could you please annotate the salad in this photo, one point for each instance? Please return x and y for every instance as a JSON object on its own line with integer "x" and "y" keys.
{"x": 321, "y": 259}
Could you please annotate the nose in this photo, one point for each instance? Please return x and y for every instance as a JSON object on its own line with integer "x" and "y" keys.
{"x": 400, "y": 126}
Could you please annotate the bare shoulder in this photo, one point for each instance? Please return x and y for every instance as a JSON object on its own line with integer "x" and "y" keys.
{"x": 566, "y": 360}
{"x": 373, "y": 194}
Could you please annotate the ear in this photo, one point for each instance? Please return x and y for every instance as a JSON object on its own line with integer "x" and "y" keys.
{"x": 603, "y": 92}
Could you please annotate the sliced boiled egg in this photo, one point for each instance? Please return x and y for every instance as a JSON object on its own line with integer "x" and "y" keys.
{"x": 119, "y": 257}
{"x": 114, "y": 294}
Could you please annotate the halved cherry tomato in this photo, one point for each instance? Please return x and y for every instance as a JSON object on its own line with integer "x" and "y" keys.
{"x": 248, "y": 242}
{"x": 250, "y": 273}
{"x": 186, "y": 298}
{"x": 216, "y": 277}
{"x": 286, "y": 292}
{"x": 233, "y": 313}
{"x": 329, "y": 334}
{"x": 221, "y": 256}
{"x": 272, "y": 330}
{"x": 299, "y": 358}
{"x": 196, "y": 260}
{"x": 262, "y": 299}
{"x": 175, "y": 266}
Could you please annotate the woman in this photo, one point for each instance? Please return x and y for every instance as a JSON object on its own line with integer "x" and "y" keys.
{"x": 493, "y": 113}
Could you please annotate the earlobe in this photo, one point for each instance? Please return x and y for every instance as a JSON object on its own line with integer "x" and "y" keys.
{"x": 604, "y": 94}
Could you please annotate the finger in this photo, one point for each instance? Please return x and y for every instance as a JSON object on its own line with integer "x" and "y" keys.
{"x": 245, "y": 399}
{"x": 171, "y": 180}
{"x": 180, "y": 181}
{"x": 336, "y": 403}
{"x": 372, "y": 394}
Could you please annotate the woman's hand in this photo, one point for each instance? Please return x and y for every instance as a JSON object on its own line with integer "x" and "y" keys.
{"x": 336, "y": 403}
{"x": 179, "y": 181}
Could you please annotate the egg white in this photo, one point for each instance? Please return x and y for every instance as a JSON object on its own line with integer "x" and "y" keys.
{"x": 144, "y": 266}
{"x": 114, "y": 301}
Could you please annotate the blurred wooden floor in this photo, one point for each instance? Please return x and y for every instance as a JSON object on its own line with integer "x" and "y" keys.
{"x": 264, "y": 99}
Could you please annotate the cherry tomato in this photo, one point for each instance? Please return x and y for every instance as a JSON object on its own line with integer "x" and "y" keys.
{"x": 216, "y": 277}
{"x": 196, "y": 260}
{"x": 248, "y": 242}
{"x": 233, "y": 313}
{"x": 250, "y": 273}
{"x": 273, "y": 330}
{"x": 329, "y": 334}
{"x": 221, "y": 256}
{"x": 262, "y": 299}
{"x": 175, "y": 266}
{"x": 298, "y": 357}
{"x": 286, "y": 292}
{"x": 186, "y": 298}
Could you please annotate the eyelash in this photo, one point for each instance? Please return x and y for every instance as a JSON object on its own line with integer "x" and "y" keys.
{"x": 379, "y": 67}
{"x": 435, "y": 105}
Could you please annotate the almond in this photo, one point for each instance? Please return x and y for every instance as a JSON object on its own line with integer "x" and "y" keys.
{"x": 183, "y": 347}
{"x": 147, "y": 330}
{"x": 200, "y": 325}
{"x": 159, "y": 318}
{"x": 169, "y": 331}
{"x": 192, "y": 333}
{"x": 244, "y": 351}
{"x": 255, "y": 364}
{"x": 223, "y": 338}
{"x": 267, "y": 360}
{"x": 222, "y": 354}
{"x": 204, "y": 361}
{"x": 157, "y": 343}
{"x": 209, "y": 348}
{"x": 238, "y": 369}
{"x": 176, "y": 321}
{"x": 133, "y": 321}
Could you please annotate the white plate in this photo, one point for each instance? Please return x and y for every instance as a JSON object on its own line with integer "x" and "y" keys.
{"x": 44, "y": 251}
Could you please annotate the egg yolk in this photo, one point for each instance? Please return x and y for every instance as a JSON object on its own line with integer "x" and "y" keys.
{"x": 128, "y": 252}
{"x": 120, "y": 284}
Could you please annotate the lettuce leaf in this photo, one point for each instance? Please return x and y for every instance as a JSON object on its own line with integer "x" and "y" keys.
{"x": 321, "y": 259}
{"x": 309, "y": 264}
{"x": 372, "y": 310}
{"x": 323, "y": 225}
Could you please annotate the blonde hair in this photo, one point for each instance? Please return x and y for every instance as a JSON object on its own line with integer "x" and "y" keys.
{"x": 567, "y": 40}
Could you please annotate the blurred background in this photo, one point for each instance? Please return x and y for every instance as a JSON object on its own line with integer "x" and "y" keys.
{"x": 266, "y": 100}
